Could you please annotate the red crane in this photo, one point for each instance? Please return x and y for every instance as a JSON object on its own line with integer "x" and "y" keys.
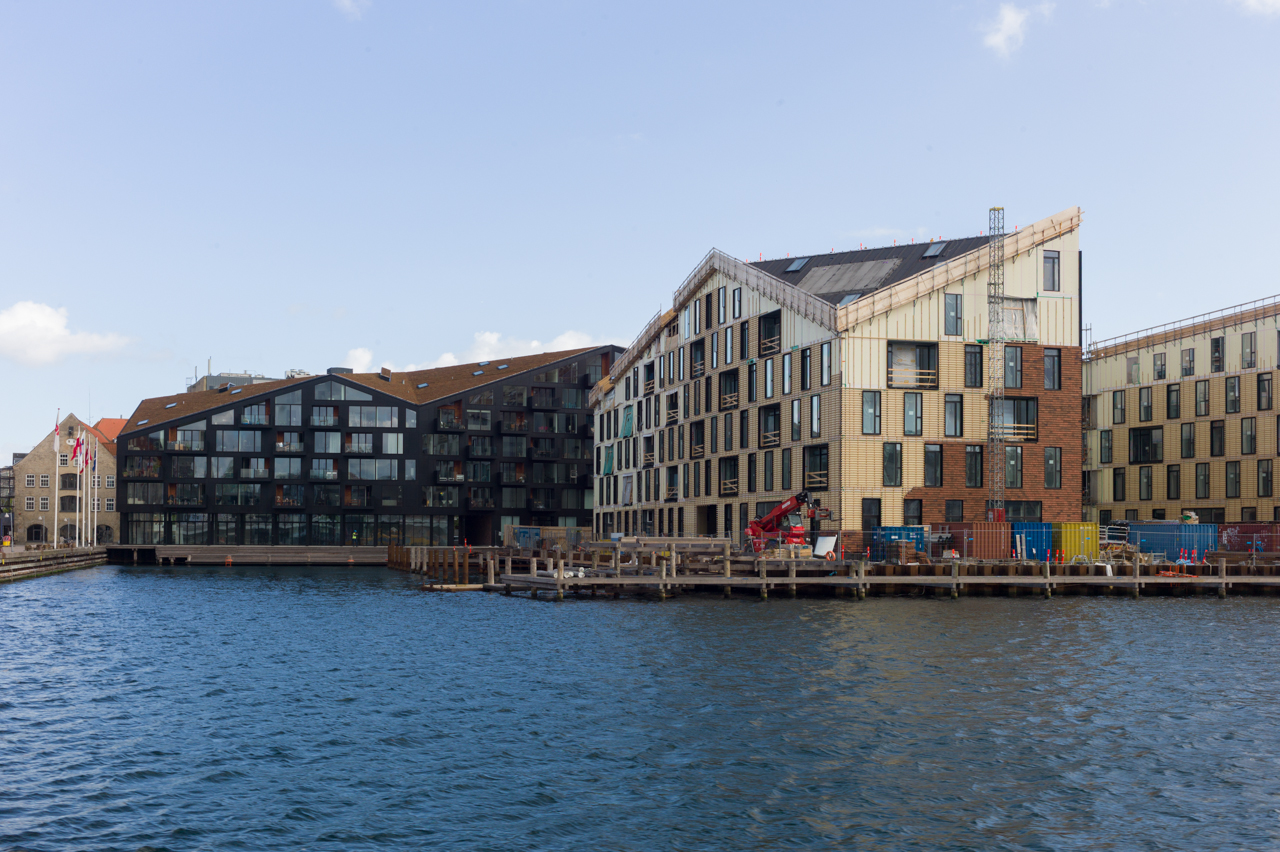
{"x": 773, "y": 527}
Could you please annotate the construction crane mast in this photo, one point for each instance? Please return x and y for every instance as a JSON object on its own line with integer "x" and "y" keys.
{"x": 995, "y": 366}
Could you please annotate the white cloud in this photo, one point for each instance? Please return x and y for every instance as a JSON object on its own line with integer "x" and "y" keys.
{"x": 33, "y": 333}
{"x": 1005, "y": 34}
{"x": 486, "y": 346}
{"x": 353, "y": 9}
{"x": 1260, "y": 7}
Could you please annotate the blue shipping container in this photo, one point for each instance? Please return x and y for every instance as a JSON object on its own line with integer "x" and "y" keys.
{"x": 1038, "y": 538}
{"x": 1172, "y": 540}
{"x": 881, "y": 535}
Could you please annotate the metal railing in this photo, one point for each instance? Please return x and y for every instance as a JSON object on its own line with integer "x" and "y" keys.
{"x": 186, "y": 446}
{"x": 324, "y": 474}
{"x": 770, "y": 439}
{"x": 354, "y": 449}
{"x": 254, "y": 420}
{"x": 288, "y": 501}
{"x": 1223, "y": 318}
{"x": 449, "y": 424}
{"x": 254, "y": 473}
{"x": 513, "y": 427}
{"x": 450, "y": 477}
{"x": 909, "y": 377}
{"x": 480, "y": 502}
{"x": 282, "y": 447}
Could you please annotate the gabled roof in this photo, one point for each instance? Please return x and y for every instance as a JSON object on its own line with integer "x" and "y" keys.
{"x": 438, "y": 384}
{"x": 841, "y": 277}
{"x": 110, "y": 426}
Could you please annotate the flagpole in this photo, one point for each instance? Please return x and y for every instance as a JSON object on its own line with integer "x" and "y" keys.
{"x": 56, "y": 432}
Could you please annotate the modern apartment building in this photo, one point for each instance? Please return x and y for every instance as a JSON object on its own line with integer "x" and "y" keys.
{"x": 1181, "y": 418}
{"x": 443, "y": 456}
{"x": 858, "y": 376}
{"x": 46, "y": 479}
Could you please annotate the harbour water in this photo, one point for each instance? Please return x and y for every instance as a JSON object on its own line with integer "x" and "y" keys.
{"x": 344, "y": 709}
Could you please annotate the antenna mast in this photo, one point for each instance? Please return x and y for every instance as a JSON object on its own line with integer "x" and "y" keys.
{"x": 995, "y": 367}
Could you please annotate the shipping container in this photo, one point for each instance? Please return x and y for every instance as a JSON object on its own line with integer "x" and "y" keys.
{"x": 1256, "y": 538}
{"x": 1076, "y": 540}
{"x": 1174, "y": 540}
{"x": 1037, "y": 539}
{"x": 882, "y": 535}
{"x": 982, "y": 540}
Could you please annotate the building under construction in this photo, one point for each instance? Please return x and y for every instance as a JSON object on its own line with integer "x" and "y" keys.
{"x": 863, "y": 377}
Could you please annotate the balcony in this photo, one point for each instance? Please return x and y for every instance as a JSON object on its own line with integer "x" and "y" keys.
{"x": 673, "y": 494}
{"x": 770, "y": 345}
{"x": 672, "y": 416}
{"x": 513, "y": 427}
{"x": 479, "y": 502}
{"x": 255, "y": 420}
{"x": 324, "y": 420}
{"x": 474, "y": 452}
{"x": 512, "y": 479}
{"x": 255, "y": 473}
{"x": 649, "y": 387}
{"x": 324, "y": 474}
{"x": 542, "y": 453}
{"x": 449, "y": 424}
{"x": 356, "y": 501}
{"x": 449, "y": 478}
{"x": 909, "y": 377}
{"x": 184, "y": 501}
{"x": 729, "y": 487}
{"x": 815, "y": 479}
{"x": 292, "y": 502}
{"x": 282, "y": 447}
{"x": 539, "y": 504}
{"x": 770, "y": 439}
{"x": 543, "y": 400}
{"x": 1019, "y": 431}
{"x": 357, "y": 449}
{"x": 699, "y": 369}
{"x": 648, "y": 459}
{"x": 185, "y": 446}
{"x": 697, "y": 451}
{"x": 728, "y": 401}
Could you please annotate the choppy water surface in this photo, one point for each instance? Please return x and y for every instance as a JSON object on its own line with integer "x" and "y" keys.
{"x": 337, "y": 709}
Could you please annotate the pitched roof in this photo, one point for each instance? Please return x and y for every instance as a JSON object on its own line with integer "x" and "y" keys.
{"x": 843, "y": 276}
{"x": 110, "y": 426}
{"x": 438, "y": 383}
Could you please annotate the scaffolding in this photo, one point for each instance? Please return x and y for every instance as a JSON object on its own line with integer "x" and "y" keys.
{"x": 995, "y": 366}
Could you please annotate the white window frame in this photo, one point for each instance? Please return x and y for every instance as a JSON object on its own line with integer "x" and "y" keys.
{"x": 111, "y": 504}
{"x": 44, "y": 504}
{"x": 111, "y": 480}
{"x": 31, "y": 480}
{"x": 63, "y": 459}
{"x": 31, "y": 504}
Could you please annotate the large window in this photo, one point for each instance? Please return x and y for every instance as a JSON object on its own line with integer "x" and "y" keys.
{"x": 1146, "y": 445}
{"x": 933, "y": 465}
{"x": 1264, "y": 391}
{"x": 1173, "y": 401}
{"x": 1264, "y": 477}
{"x": 1157, "y": 367}
{"x": 1052, "y": 272}
{"x": 824, "y": 370}
{"x": 1144, "y": 482}
{"x": 892, "y": 473}
{"x": 1188, "y": 362}
{"x": 1248, "y": 436}
{"x": 816, "y": 460}
{"x": 1202, "y": 398}
{"x": 913, "y": 365}
{"x": 815, "y": 416}
{"x": 1117, "y": 407}
{"x": 972, "y": 366}
{"x": 1104, "y": 446}
{"x": 1248, "y": 350}
{"x": 973, "y": 455}
{"x": 786, "y": 372}
{"x": 912, "y": 512}
{"x": 1173, "y": 482}
{"x": 1217, "y": 354}
{"x": 1233, "y": 394}
{"x": 1202, "y": 481}
{"x": 871, "y": 412}
{"x": 1233, "y": 479}
{"x": 1052, "y": 467}
{"x": 806, "y": 369}
{"x": 954, "y": 315}
{"x": 1217, "y": 438}
{"x": 1053, "y": 369}
{"x": 1144, "y": 405}
{"x": 912, "y": 414}
{"x": 1117, "y": 485}
{"x": 1188, "y": 440}
{"x": 953, "y": 426}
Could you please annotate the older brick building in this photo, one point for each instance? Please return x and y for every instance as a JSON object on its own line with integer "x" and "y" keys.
{"x": 45, "y": 486}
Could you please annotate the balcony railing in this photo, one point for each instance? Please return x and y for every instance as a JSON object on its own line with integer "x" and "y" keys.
{"x": 537, "y": 453}
{"x": 729, "y": 487}
{"x": 1018, "y": 431}
{"x": 909, "y": 377}
{"x": 324, "y": 420}
{"x": 480, "y": 502}
{"x": 288, "y": 501}
{"x": 449, "y": 424}
{"x": 673, "y": 494}
{"x": 356, "y": 501}
{"x": 357, "y": 449}
{"x": 699, "y": 369}
{"x": 513, "y": 427}
{"x": 512, "y": 479}
{"x": 648, "y": 459}
{"x": 184, "y": 501}
{"x": 255, "y": 473}
{"x": 771, "y": 345}
{"x": 474, "y": 452}
{"x": 543, "y": 400}
{"x": 540, "y": 504}
{"x": 815, "y": 479}
{"x": 728, "y": 400}
{"x": 672, "y": 416}
{"x": 186, "y": 446}
{"x": 442, "y": 477}
{"x": 324, "y": 474}
{"x": 697, "y": 451}
{"x": 649, "y": 386}
{"x": 770, "y": 439}
{"x": 282, "y": 447}
{"x": 255, "y": 420}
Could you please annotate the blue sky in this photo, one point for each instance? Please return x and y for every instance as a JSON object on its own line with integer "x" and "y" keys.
{"x": 310, "y": 183}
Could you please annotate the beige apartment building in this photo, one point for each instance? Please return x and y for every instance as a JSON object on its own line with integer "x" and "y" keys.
{"x": 1180, "y": 418}
{"x": 46, "y": 479}
{"x": 861, "y": 377}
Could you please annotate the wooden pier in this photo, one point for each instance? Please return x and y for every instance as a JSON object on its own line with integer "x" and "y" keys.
{"x": 16, "y": 565}
{"x": 664, "y": 567}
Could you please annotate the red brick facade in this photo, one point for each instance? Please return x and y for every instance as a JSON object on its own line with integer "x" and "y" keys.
{"x": 1058, "y": 422}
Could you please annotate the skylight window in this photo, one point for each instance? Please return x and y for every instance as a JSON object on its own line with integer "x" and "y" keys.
{"x": 171, "y": 405}
{"x": 797, "y": 264}
{"x": 237, "y": 390}
{"x": 478, "y": 373}
{"x": 503, "y": 366}
{"x": 143, "y": 422}
{"x": 423, "y": 385}
{"x": 934, "y": 249}
{"x": 484, "y": 363}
